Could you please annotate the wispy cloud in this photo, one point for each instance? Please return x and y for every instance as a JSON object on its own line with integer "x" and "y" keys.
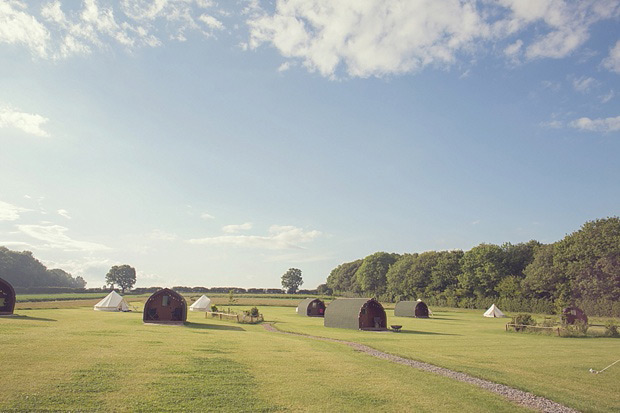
{"x": 64, "y": 213}
{"x": 608, "y": 96}
{"x": 612, "y": 62}
{"x": 233, "y": 229}
{"x": 30, "y": 123}
{"x": 206, "y": 216}
{"x": 584, "y": 84}
{"x": 597, "y": 125}
{"x": 10, "y": 212}
{"x": 54, "y": 236}
{"x": 279, "y": 237}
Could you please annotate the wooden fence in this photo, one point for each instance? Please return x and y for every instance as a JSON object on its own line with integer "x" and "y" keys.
{"x": 238, "y": 318}
{"x": 523, "y": 327}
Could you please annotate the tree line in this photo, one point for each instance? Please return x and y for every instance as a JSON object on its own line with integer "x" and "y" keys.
{"x": 22, "y": 270}
{"x": 581, "y": 269}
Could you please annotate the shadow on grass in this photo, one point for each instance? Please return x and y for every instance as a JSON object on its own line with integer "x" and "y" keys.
{"x": 430, "y": 333}
{"x": 201, "y": 326}
{"x": 24, "y": 317}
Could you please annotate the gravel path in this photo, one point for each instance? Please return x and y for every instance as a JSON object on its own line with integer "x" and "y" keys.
{"x": 518, "y": 396}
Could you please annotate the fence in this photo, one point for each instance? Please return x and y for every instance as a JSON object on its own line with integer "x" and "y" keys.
{"x": 238, "y": 318}
{"x": 524, "y": 327}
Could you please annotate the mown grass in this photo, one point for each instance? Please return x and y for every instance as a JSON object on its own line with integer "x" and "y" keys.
{"x": 463, "y": 340}
{"x": 76, "y": 359}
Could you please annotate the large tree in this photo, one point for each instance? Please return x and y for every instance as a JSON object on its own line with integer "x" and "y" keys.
{"x": 291, "y": 280}
{"x": 371, "y": 275}
{"x": 342, "y": 278}
{"x": 122, "y": 275}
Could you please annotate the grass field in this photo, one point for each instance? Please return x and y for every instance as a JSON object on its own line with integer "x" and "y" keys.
{"x": 72, "y": 358}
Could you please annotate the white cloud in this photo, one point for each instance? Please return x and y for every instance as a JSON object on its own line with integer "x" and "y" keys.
{"x": 30, "y": 123}
{"x": 597, "y": 125}
{"x": 233, "y": 229}
{"x": 9, "y": 212}
{"x": 20, "y": 28}
{"x": 279, "y": 237}
{"x": 284, "y": 67}
{"x": 54, "y": 237}
{"x": 370, "y": 38}
{"x": 211, "y": 22}
{"x": 584, "y": 84}
{"x": 607, "y": 97}
{"x": 64, "y": 213}
{"x": 612, "y": 62}
{"x": 207, "y": 216}
{"x": 382, "y": 37}
{"x": 511, "y": 51}
{"x": 552, "y": 124}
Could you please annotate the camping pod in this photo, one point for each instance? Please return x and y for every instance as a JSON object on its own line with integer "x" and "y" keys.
{"x": 572, "y": 314}
{"x": 112, "y": 302}
{"x": 165, "y": 307}
{"x": 493, "y": 311}
{"x": 411, "y": 309}
{"x": 7, "y": 298}
{"x": 356, "y": 313}
{"x": 201, "y": 304}
{"x": 311, "y": 307}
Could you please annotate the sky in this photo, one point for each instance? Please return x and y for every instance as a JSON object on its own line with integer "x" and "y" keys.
{"x": 220, "y": 143}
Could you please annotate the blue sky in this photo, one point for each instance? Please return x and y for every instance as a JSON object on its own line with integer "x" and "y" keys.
{"x": 221, "y": 143}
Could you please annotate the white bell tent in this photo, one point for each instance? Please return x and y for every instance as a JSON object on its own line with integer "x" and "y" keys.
{"x": 201, "y": 304}
{"x": 493, "y": 311}
{"x": 112, "y": 302}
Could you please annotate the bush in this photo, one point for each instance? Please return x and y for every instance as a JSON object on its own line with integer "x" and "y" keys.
{"x": 252, "y": 312}
{"x": 524, "y": 319}
{"x": 611, "y": 329}
{"x": 214, "y": 309}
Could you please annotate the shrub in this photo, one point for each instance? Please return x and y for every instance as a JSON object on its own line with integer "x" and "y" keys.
{"x": 214, "y": 309}
{"x": 252, "y": 312}
{"x": 524, "y": 319}
{"x": 611, "y": 328}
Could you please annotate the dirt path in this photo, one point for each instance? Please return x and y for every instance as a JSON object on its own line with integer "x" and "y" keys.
{"x": 518, "y": 396}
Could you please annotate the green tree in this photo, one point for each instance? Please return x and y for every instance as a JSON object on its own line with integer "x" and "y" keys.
{"x": 445, "y": 272}
{"x": 342, "y": 278}
{"x": 483, "y": 268}
{"x": 371, "y": 275}
{"x": 122, "y": 275}
{"x": 291, "y": 280}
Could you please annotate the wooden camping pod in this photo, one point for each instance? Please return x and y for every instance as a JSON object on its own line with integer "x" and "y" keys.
{"x": 311, "y": 307}
{"x": 356, "y": 313}
{"x": 7, "y": 298}
{"x": 165, "y": 307}
{"x": 572, "y": 314}
{"x": 417, "y": 309}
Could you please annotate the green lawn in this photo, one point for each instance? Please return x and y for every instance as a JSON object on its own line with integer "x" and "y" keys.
{"x": 74, "y": 358}
{"x": 463, "y": 340}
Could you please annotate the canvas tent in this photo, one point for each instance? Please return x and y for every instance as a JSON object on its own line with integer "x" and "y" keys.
{"x": 311, "y": 307}
{"x": 165, "y": 307}
{"x": 201, "y": 304}
{"x": 493, "y": 311}
{"x": 7, "y": 298}
{"x": 411, "y": 309}
{"x": 356, "y": 313}
{"x": 112, "y": 302}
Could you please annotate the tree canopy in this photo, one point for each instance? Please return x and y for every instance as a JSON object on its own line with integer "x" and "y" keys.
{"x": 291, "y": 280}
{"x": 583, "y": 267}
{"x": 21, "y": 269}
{"x": 122, "y": 275}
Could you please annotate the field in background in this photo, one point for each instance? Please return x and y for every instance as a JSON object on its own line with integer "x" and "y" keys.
{"x": 278, "y": 372}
